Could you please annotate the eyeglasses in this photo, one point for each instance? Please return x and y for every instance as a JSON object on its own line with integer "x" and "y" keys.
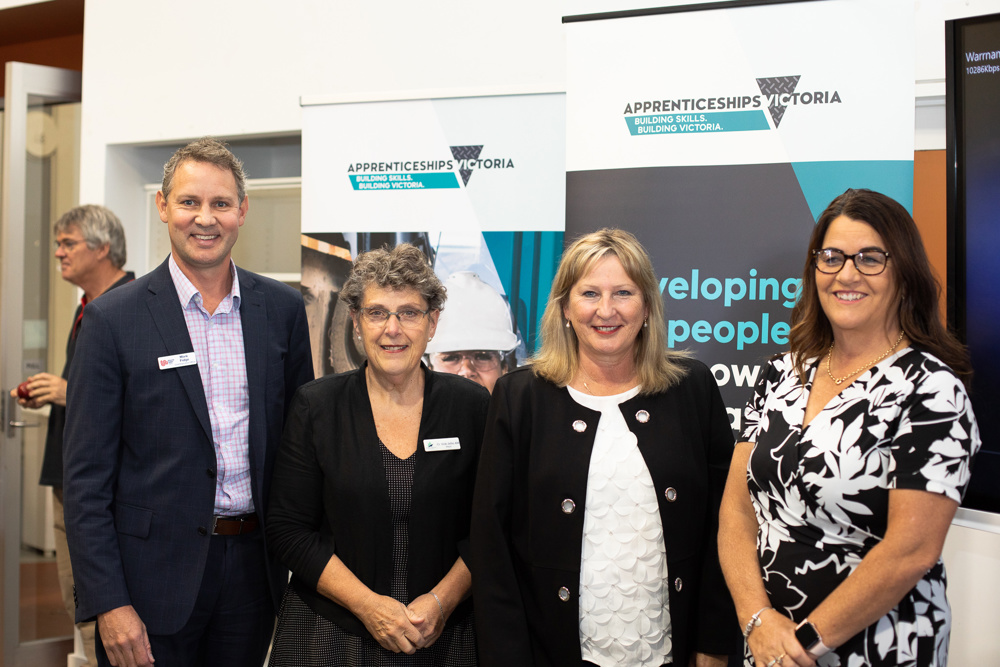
{"x": 867, "y": 262}
{"x": 66, "y": 244}
{"x": 408, "y": 317}
{"x": 483, "y": 361}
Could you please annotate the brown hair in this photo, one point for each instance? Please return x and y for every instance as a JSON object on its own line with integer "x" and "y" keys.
{"x": 917, "y": 290}
{"x": 557, "y": 359}
{"x": 212, "y": 151}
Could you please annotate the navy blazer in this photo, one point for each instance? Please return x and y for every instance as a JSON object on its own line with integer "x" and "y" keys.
{"x": 138, "y": 450}
{"x": 526, "y": 547}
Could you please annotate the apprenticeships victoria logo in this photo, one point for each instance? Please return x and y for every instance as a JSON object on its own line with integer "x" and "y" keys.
{"x": 437, "y": 173}
{"x": 740, "y": 112}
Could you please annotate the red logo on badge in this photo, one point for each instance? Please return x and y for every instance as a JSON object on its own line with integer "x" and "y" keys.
{"x": 163, "y": 363}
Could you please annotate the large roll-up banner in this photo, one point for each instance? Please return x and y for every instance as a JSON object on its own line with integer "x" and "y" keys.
{"x": 477, "y": 183}
{"x": 718, "y": 135}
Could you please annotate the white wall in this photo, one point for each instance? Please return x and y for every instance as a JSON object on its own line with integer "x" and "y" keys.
{"x": 160, "y": 73}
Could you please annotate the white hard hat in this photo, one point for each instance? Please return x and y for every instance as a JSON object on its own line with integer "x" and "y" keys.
{"x": 475, "y": 317}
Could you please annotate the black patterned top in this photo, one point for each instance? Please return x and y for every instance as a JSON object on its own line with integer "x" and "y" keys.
{"x": 821, "y": 493}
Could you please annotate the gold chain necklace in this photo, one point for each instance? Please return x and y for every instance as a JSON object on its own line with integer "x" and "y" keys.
{"x": 840, "y": 381}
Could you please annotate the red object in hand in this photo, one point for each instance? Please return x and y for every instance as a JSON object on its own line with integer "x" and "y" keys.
{"x": 23, "y": 391}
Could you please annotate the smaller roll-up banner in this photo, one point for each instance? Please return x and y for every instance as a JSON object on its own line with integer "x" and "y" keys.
{"x": 478, "y": 183}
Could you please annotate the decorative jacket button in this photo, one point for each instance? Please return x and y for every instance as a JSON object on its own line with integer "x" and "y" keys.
{"x": 642, "y": 416}
{"x": 564, "y": 593}
{"x": 579, "y": 426}
{"x": 671, "y": 494}
{"x": 202, "y": 531}
{"x": 568, "y": 506}
{"x": 678, "y": 584}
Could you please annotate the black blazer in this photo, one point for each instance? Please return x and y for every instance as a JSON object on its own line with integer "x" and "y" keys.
{"x": 139, "y": 460}
{"x": 329, "y": 494}
{"x": 525, "y": 548}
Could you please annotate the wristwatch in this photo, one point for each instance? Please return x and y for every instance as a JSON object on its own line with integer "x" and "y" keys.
{"x": 808, "y": 636}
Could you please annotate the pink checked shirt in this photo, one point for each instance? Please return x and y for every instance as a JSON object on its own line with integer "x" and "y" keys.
{"x": 218, "y": 349}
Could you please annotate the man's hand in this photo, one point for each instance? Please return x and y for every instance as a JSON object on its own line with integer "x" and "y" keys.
{"x": 124, "y": 636}
{"x": 44, "y": 388}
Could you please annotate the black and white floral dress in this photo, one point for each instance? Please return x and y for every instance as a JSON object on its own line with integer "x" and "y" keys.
{"x": 821, "y": 494}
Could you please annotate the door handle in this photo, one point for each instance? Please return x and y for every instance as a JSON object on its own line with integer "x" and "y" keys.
{"x": 10, "y": 424}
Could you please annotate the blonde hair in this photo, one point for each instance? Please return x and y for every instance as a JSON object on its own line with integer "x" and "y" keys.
{"x": 558, "y": 360}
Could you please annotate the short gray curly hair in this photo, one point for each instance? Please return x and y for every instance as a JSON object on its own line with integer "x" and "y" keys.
{"x": 396, "y": 268}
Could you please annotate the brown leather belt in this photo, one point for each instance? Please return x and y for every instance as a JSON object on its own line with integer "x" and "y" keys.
{"x": 234, "y": 525}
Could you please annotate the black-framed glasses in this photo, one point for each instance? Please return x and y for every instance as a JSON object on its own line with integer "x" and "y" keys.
{"x": 868, "y": 262}
{"x": 408, "y": 317}
{"x": 483, "y": 361}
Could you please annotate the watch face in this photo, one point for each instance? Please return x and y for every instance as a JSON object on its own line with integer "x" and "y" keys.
{"x": 806, "y": 635}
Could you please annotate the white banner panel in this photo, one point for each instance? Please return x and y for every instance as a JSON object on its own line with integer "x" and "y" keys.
{"x": 474, "y": 163}
{"x": 797, "y": 82}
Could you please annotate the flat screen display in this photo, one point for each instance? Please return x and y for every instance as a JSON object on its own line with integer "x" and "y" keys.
{"x": 973, "y": 54}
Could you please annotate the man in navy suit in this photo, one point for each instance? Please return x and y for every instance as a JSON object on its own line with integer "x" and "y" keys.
{"x": 177, "y": 399}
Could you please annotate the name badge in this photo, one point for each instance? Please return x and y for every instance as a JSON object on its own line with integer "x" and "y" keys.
{"x": 176, "y": 361}
{"x": 441, "y": 444}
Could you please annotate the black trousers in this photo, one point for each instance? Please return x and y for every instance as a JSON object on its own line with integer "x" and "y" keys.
{"x": 233, "y": 617}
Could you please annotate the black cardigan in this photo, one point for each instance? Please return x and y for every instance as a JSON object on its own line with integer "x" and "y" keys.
{"x": 525, "y": 548}
{"x": 329, "y": 494}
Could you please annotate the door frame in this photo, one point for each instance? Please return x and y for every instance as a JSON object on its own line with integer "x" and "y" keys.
{"x": 25, "y": 83}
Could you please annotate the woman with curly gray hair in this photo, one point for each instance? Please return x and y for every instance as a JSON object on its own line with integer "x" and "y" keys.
{"x": 373, "y": 486}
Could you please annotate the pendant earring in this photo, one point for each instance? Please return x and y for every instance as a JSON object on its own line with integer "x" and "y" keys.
{"x": 567, "y": 324}
{"x": 645, "y": 323}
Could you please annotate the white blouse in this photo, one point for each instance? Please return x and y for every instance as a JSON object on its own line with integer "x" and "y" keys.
{"x": 624, "y": 603}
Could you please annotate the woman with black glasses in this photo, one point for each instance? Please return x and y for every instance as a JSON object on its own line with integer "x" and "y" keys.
{"x": 857, "y": 451}
{"x": 373, "y": 485}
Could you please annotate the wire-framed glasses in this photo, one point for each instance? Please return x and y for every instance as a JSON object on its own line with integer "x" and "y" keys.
{"x": 408, "y": 317}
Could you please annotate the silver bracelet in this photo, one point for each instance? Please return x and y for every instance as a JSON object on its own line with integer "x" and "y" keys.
{"x": 754, "y": 622}
{"x": 436, "y": 599}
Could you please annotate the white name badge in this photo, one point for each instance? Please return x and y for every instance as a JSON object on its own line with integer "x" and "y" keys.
{"x": 176, "y": 361}
{"x": 441, "y": 444}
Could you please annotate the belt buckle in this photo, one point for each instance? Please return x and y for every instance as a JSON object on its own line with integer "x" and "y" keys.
{"x": 215, "y": 523}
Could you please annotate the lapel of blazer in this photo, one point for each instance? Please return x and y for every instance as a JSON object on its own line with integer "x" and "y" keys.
{"x": 165, "y": 309}
{"x": 253, "y": 319}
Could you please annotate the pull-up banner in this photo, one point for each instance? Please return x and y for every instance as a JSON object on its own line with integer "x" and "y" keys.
{"x": 717, "y": 133}
{"x": 476, "y": 182}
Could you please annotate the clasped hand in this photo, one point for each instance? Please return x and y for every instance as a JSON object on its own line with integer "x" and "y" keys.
{"x": 400, "y": 628}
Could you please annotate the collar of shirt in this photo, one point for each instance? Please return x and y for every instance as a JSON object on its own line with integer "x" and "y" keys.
{"x": 186, "y": 291}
